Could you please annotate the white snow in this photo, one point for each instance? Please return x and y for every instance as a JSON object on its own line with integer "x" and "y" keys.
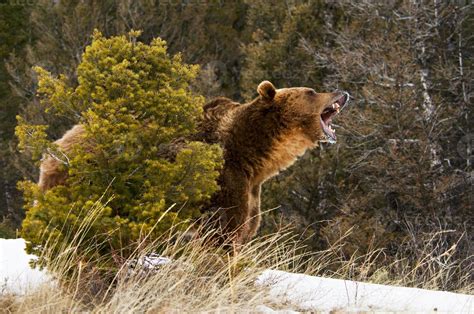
{"x": 145, "y": 264}
{"x": 16, "y": 275}
{"x": 151, "y": 261}
{"x": 311, "y": 293}
{"x": 263, "y": 309}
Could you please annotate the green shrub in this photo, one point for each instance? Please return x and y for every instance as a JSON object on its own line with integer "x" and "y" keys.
{"x": 132, "y": 99}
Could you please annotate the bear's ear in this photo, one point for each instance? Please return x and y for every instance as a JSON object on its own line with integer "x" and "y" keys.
{"x": 266, "y": 90}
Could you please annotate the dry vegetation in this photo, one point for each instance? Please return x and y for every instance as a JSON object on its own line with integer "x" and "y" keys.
{"x": 202, "y": 278}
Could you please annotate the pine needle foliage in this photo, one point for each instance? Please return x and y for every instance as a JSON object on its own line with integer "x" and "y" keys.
{"x": 132, "y": 99}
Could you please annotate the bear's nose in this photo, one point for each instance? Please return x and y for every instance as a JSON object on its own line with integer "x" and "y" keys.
{"x": 344, "y": 100}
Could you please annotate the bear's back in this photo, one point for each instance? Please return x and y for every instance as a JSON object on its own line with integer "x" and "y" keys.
{"x": 214, "y": 112}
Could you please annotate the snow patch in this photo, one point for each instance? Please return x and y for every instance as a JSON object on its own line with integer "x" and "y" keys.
{"x": 16, "y": 275}
{"x": 311, "y": 293}
{"x": 147, "y": 264}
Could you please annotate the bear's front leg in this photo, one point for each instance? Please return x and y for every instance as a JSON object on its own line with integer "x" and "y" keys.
{"x": 254, "y": 217}
{"x": 234, "y": 211}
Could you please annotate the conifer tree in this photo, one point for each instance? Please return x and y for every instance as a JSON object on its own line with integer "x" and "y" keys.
{"x": 132, "y": 99}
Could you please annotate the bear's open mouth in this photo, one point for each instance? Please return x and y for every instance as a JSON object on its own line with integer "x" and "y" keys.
{"x": 328, "y": 113}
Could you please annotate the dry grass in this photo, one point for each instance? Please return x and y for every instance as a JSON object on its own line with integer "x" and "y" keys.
{"x": 197, "y": 279}
{"x": 202, "y": 278}
{"x": 436, "y": 260}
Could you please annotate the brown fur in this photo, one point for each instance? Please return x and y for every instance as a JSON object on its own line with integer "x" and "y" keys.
{"x": 259, "y": 139}
{"x": 52, "y": 170}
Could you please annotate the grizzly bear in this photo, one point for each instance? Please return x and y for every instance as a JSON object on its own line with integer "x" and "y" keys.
{"x": 259, "y": 139}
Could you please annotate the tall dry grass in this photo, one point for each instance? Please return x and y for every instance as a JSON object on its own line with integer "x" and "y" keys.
{"x": 199, "y": 277}
{"x": 204, "y": 278}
